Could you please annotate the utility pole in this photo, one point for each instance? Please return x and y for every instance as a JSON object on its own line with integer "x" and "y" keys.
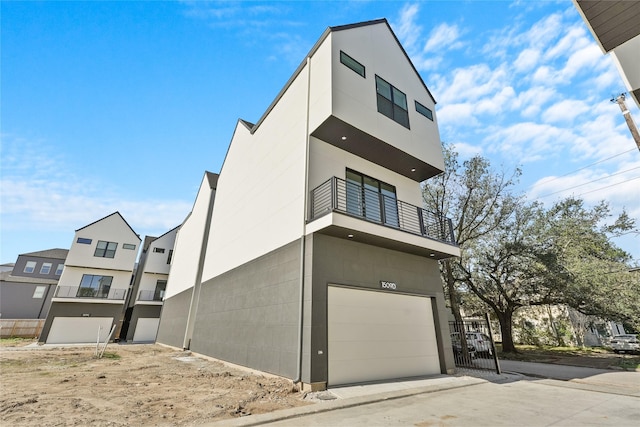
{"x": 627, "y": 117}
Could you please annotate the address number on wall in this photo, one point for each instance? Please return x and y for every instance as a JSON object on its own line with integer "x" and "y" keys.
{"x": 388, "y": 285}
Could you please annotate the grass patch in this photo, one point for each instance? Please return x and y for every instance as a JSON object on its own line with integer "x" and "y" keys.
{"x": 111, "y": 355}
{"x": 16, "y": 342}
{"x": 597, "y": 357}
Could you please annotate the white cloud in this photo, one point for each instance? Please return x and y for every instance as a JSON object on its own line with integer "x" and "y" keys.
{"x": 443, "y": 37}
{"x": 526, "y": 60}
{"x": 565, "y": 111}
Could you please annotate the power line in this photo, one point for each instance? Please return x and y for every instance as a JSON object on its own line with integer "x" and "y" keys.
{"x": 608, "y": 186}
{"x": 582, "y": 168}
{"x": 589, "y": 182}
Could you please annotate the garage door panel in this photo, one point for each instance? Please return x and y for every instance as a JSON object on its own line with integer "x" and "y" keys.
{"x": 378, "y": 335}
{"x": 79, "y": 330}
{"x": 146, "y": 329}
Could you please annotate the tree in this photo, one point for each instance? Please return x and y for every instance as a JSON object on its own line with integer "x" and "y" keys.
{"x": 477, "y": 200}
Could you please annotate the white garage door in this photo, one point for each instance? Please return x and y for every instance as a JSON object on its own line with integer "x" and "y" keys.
{"x": 75, "y": 330}
{"x": 146, "y": 329}
{"x": 378, "y": 336}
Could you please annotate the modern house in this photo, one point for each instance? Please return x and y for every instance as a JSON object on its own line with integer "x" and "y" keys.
{"x": 320, "y": 265}
{"x": 144, "y": 302}
{"x": 26, "y": 291}
{"x": 91, "y": 292}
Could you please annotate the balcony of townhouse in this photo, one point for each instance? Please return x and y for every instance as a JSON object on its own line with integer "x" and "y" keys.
{"x": 150, "y": 297}
{"x": 342, "y": 209}
{"x": 93, "y": 295}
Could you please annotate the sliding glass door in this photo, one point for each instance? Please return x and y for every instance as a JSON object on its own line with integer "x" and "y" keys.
{"x": 372, "y": 199}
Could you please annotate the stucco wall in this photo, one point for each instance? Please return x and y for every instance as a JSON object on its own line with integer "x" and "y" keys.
{"x": 173, "y": 319}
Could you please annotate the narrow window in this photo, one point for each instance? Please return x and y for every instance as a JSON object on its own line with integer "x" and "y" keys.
{"x": 38, "y": 292}
{"x": 424, "y": 111}
{"x": 170, "y": 256}
{"x": 59, "y": 269}
{"x": 30, "y": 267}
{"x": 352, "y": 63}
{"x": 392, "y": 102}
{"x": 158, "y": 250}
{"x": 128, "y": 246}
{"x": 84, "y": 241}
{"x": 161, "y": 287}
{"x": 46, "y": 268}
{"x": 105, "y": 249}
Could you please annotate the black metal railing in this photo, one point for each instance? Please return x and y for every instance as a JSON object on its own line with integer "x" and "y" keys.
{"x": 339, "y": 195}
{"x": 80, "y": 292}
{"x": 150, "y": 295}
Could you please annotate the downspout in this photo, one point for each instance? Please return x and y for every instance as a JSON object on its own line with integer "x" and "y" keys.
{"x": 195, "y": 296}
{"x": 304, "y": 223}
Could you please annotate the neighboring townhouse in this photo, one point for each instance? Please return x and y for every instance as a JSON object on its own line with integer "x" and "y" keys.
{"x": 144, "y": 302}
{"x": 26, "y": 289}
{"x": 91, "y": 292}
{"x": 183, "y": 285}
{"x": 320, "y": 264}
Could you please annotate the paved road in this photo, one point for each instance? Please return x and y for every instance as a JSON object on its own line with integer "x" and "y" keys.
{"x": 548, "y": 370}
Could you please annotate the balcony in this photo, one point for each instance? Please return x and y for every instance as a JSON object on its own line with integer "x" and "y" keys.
{"x": 339, "y": 196}
{"x": 90, "y": 293}
{"x": 154, "y": 295}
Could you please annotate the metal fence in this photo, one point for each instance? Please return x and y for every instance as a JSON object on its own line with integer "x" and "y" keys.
{"x": 338, "y": 195}
{"x": 473, "y": 345}
{"x": 77, "y": 292}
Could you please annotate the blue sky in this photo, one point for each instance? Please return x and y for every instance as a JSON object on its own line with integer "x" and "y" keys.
{"x": 122, "y": 106}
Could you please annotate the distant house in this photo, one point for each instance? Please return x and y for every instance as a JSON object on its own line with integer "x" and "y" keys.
{"x": 91, "y": 292}
{"x": 144, "y": 303}
{"x": 26, "y": 288}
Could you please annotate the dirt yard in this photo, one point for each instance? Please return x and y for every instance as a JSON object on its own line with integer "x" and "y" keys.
{"x": 131, "y": 385}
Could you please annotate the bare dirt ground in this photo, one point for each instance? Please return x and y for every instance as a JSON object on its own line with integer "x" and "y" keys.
{"x": 137, "y": 385}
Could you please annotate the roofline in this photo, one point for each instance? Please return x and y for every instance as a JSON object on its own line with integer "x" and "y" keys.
{"x": 121, "y": 217}
{"x": 313, "y": 50}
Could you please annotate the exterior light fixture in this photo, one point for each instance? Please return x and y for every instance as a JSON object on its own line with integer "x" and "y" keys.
{"x": 413, "y": 169}
{"x": 432, "y": 255}
{"x": 350, "y": 236}
{"x": 344, "y": 138}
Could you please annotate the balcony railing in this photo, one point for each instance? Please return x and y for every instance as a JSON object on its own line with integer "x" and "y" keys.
{"x": 150, "y": 295}
{"x": 338, "y": 195}
{"x": 78, "y": 292}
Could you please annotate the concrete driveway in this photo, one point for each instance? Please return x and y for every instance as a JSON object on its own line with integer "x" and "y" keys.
{"x": 590, "y": 397}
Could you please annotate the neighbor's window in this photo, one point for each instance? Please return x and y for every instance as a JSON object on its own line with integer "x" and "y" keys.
{"x": 128, "y": 246}
{"x": 170, "y": 256}
{"x": 161, "y": 287}
{"x": 105, "y": 249}
{"x": 424, "y": 111}
{"x": 59, "y": 269}
{"x": 84, "y": 241}
{"x": 93, "y": 286}
{"x": 46, "y": 268}
{"x": 158, "y": 250}
{"x": 352, "y": 63}
{"x": 30, "y": 267}
{"x": 392, "y": 102}
{"x": 38, "y": 292}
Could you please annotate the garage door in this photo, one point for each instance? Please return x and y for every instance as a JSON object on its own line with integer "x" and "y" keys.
{"x": 74, "y": 330}
{"x": 146, "y": 329}
{"x": 378, "y": 335}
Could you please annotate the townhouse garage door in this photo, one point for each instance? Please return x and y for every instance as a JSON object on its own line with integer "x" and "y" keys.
{"x": 378, "y": 336}
{"x": 79, "y": 330}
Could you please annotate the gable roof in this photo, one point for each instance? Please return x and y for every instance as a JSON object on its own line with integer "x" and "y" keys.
{"x": 115, "y": 213}
{"x": 56, "y": 253}
{"x": 315, "y": 47}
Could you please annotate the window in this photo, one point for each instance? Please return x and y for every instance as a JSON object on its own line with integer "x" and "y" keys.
{"x": 392, "y": 102}
{"x": 105, "y": 249}
{"x": 170, "y": 256}
{"x": 371, "y": 199}
{"x": 38, "y": 292}
{"x": 30, "y": 267}
{"x": 84, "y": 241}
{"x": 59, "y": 269}
{"x": 161, "y": 286}
{"x": 352, "y": 63}
{"x": 46, "y": 268}
{"x": 158, "y": 250}
{"x": 93, "y": 286}
{"x": 424, "y": 111}
{"x": 128, "y": 246}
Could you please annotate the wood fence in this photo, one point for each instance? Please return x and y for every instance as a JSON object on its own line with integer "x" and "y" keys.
{"x": 21, "y": 328}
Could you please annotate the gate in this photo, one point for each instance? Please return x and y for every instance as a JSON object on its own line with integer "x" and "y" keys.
{"x": 473, "y": 346}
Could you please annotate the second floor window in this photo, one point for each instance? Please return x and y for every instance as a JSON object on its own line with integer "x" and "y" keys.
{"x": 105, "y": 249}
{"x": 93, "y": 286}
{"x": 30, "y": 267}
{"x": 392, "y": 102}
{"x": 59, "y": 269}
{"x": 46, "y": 268}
